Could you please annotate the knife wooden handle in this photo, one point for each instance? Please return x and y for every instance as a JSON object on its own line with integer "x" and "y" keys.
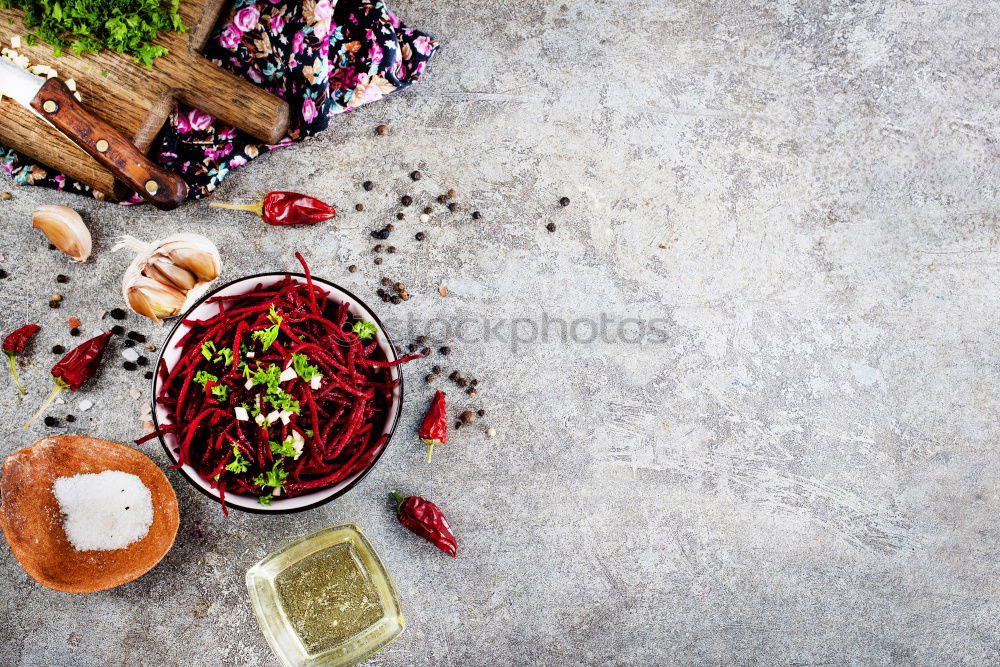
{"x": 56, "y": 104}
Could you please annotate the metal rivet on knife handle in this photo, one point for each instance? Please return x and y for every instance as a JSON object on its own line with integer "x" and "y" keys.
{"x": 50, "y": 106}
{"x": 152, "y": 186}
{"x": 102, "y": 146}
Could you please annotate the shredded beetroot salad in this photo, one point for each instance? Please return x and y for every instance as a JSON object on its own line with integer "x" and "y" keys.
{"x": 282, "y": 393}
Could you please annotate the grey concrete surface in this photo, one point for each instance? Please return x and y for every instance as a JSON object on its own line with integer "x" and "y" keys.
{"x": 796, "y": 465}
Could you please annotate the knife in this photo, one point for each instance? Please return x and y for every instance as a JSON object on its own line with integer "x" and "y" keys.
{"x": 53, "y": 102}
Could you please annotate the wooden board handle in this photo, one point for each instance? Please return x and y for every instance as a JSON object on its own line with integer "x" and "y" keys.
{"x": 56, "y": 104}
{"x": 233, "y": 100}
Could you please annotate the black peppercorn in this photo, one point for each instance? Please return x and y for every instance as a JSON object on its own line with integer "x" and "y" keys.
{"x": 70, "y": 418}
{"x": 58, "y": 349}
{"x": 117, "y": 313}
{"x": 384, "y": 234}
{"x": 481, "y": 412}
{"x": 128, "y": 342}
{"x": 422, "y": 340}
{"x": 377, "y": 248}
{"x": 52, "y": 246}
{"x": 381, "y": 293}
{"x": 445, "y": 350}
{"x": 428, "y": 210}
{"x": 452, "y": 207}
{"x": 75, "y": 331}
{"x": 118, "y": 330}
{"x": 413, "y": 347}
{"x": 551, "y": 226}
{"x": 136, "y": 336}
{"x": 54, "y": 303}
{"x": 386, "y": 281}
{"x": 359, "y": 207}
{"x": 474, "y": 382}
{"x": 390, "y": 227}
{"x": 416, "y": 175}
{"x": 458, "y": 425}
{"x": 51, "y": 421}
{"x": 426, "y": 351}
{"x": 442, "y": 199}
{"x": 476, "y": 215}
{"x": 3, "y": 274}
{"x": 420, "y": 236}
{"x": 471, "y": 391}
{"x": 129, "y": 365}
{"x": 391, "y": 249}
{"x": 382, "y": 130}
{"x": 62, "y": 279}
{"x": 430, "y": 378}
{"x": 437, "y": 370}
{"x": 396, "y": 299}
{"x": 148, "y": 375}
{"x": 353, "y": 268}
{"x": 142, "y": 361}
{"x": 564, "y": 201}
{"x": 462, "y": 382}
{"x": 368, "y": 185}
{"x": 378, "y": 260}
{"x": 406, "y": 200}
{"x": 454, "y": 376}
{"x": 400, "y": 215}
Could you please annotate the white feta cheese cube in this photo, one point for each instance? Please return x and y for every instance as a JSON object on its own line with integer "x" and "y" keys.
{"x": 241, "y": 413}
{"x": 287, "y": 374}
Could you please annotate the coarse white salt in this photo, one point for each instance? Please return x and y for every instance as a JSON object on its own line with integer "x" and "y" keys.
{"x": 104, "y": 511}
{"x": 128, "y": 354}
{"x": 15, "y": 42}
{"x": 85, "y": 405}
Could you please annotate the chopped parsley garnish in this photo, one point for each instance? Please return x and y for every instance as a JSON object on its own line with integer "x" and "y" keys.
{"x": 283, "y": 401}
{"x": 286, "y": 448}
{"x": 204, "y": 377}
{"x": 303, "y": 369}
{"x": 239, "y": 464}
{"x": 224, "y": 355}
{"x": 124, "y": 26}
{"x": 274, "y": 477}
{"x": 265, "y": 500}
{"x": 269, "y": 335}
{"x": 364, "y": 329}
{"x": 270, "y": 376}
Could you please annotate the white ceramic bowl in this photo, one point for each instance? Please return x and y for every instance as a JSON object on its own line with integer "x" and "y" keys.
{"x": 202, "y": 310}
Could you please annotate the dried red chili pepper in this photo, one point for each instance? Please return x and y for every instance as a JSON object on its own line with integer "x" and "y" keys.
{"x": 287, "y": 208}
{"x": 434, "y": 429}
{"x": 78, "y": 366}
{"x": 14, "y": 344}
{"x": 424, "y": 518}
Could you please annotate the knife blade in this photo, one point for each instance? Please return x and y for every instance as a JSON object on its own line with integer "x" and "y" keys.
{"x": 53, "y": 102}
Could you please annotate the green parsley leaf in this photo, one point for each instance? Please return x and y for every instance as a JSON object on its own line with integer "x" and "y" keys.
{"x": 208, "y": 349}
{"x": 285, "y": 448}
{"x": 270, "y": 376}
{"x": 239, "y": 464}
{"x": 204, "y": 377}
{"x": 274, "y": 477}
{"x": 265, "y": 500}
{"x": 303, "y": 369}
{"x": 364, "y": 330}
{"x": 283, "y": 401}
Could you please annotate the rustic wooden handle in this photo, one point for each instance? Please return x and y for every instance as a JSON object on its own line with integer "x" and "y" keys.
{"x": 233, "y": 100}
{"x": 56, "y": 104}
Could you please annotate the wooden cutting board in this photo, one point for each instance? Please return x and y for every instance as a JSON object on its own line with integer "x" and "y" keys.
{"x": 137, "y": 99}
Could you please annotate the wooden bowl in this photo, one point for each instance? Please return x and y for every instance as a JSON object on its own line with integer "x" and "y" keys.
{"x": 32, "y": 525}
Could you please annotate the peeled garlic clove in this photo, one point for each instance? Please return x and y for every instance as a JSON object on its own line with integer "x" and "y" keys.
{"x": 154, "y": 299}
{"x": 195, "y": 253}
{"x": 163, "y": 270}
{"x": 65, "y": 230}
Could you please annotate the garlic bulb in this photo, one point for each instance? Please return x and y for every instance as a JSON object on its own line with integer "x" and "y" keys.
{"x": 169, "y": 274}
{"x": 65, "y": 230}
